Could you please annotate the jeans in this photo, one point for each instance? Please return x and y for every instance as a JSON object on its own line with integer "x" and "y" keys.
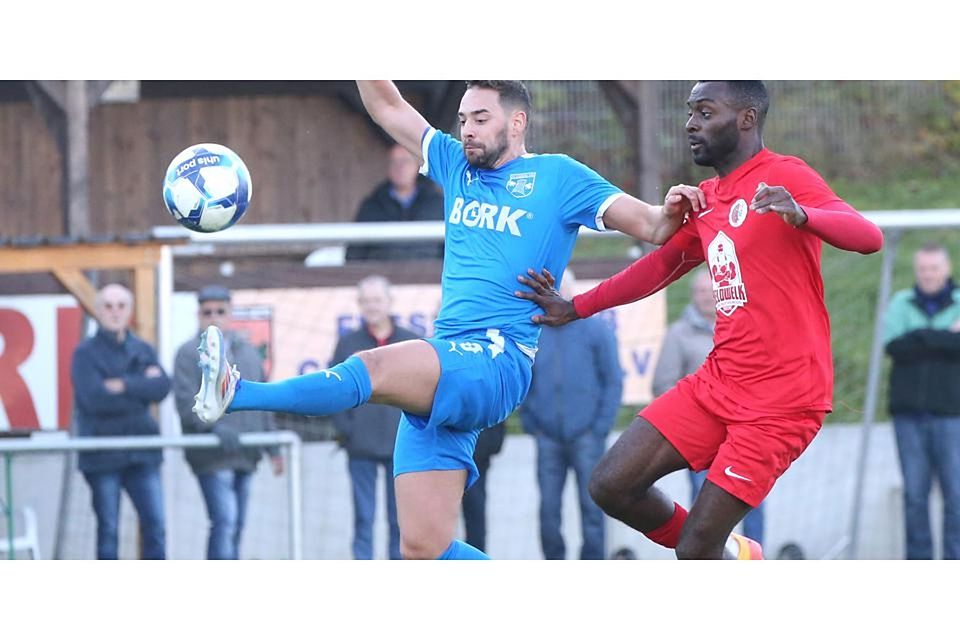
{"x": 752, "y": 522}
{"x": 363, "y": 480}
{"x": 929, "y": 445}
{"x": 554, "y": 459}
{"x": 225, "y": 494}
{"x": 475, "y": 509}
{"x": 142, "y": 484}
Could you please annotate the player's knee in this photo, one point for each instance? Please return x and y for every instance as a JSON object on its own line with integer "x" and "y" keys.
{"x": 603, "y": 490}
{"x": 421, "y": 548}
{"x": 371, "y": 359}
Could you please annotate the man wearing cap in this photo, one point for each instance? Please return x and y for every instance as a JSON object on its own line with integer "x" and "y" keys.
{"x": 224, "y": 473}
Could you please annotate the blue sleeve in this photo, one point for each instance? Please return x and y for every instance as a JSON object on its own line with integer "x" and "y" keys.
{"x": 441, "y": 153}
{"x": 584, "y": 194}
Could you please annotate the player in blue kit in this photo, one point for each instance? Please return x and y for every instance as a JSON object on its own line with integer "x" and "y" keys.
{"x": 505, "y": 210}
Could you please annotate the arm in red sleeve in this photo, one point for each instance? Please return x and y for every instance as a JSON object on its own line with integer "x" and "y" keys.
{"x": 828, "y": 217}
{"x": 842, "y": 226}
{"x": 644, "y": 277}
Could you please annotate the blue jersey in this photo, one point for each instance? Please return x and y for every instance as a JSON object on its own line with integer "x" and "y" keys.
{"x": 500, "y": 222}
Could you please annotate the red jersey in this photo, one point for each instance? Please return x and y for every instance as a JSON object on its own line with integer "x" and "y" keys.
{"x": 772, "y": 338}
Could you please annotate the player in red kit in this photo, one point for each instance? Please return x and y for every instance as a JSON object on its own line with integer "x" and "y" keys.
{"x": 763, "y": 392}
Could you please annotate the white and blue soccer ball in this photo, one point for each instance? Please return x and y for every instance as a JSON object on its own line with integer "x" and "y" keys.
{"x": 207, "y": 188}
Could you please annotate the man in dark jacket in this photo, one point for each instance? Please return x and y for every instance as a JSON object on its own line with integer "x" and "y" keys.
{"x": 922, "y": 335}
{"x": 116, "y": 376}
{"x": 404, "y": 196}
{"x": 474, "y": 503}
{"x": 571, "y": 407}
{"x": 368, "y": 432}
{"x": 224, "y": 474}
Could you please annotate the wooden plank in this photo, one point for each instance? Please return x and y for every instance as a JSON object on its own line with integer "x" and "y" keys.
{"x": 145, "y": 303}
{"x": 85, "y": 257}
{"x": 78, "y": 158}
{"x": 76, "y": 283}
{"x": 31, "y": 168}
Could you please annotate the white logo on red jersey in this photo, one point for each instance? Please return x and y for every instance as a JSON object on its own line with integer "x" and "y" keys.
{"x": 728, "y": 289}
{"x": 738, "y": 213}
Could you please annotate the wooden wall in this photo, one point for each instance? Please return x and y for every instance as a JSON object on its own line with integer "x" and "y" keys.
{"x": 30, "y": 170}
{"x": 310, "y": 157}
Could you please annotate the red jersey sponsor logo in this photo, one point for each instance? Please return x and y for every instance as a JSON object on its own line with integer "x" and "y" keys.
{"x": 729, "y": 292}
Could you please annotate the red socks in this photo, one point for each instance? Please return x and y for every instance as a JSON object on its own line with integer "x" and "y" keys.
{"x": 668, "y": 534}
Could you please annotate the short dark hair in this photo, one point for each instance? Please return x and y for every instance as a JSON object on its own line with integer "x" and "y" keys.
{"x": 512, "y": 92}
{"x": 748, "y": 93}
{"x": 932, "y": 246}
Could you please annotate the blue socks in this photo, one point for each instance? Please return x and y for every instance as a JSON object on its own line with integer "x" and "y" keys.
{"x": 342, "y": 387}
{"x": 462, "y": 551}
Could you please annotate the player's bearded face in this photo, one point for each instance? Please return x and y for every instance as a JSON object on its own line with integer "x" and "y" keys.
{"x": 716, "y": 141}
{"x": 485, "y": 154}
{"x": 712, "y": 126}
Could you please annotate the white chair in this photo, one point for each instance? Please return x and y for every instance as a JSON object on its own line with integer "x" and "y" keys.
{"x": 29, "y": 541}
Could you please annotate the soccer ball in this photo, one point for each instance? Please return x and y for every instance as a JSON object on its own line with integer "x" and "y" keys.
{"x": 207, "y": 188}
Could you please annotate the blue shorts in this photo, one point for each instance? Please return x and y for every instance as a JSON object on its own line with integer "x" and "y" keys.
{"x": 483, "y": 378}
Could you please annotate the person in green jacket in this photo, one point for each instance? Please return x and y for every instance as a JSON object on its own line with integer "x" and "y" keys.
{"x": 922, "y": 337}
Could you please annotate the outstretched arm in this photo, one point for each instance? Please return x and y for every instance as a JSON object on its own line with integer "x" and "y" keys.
{"x": 836, "y": 223}
{"x": 653, "y": 223}
{"x": 388, "y": 109}
{"x": 643, "y": 278}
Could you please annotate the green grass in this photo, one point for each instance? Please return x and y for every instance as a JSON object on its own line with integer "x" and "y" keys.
{"x": 593, "y": 247}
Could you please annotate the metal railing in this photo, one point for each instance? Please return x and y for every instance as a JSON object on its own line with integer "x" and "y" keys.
{"x": 56, "y": 443}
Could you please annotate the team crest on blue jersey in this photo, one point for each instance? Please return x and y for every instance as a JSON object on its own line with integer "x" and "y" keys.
{"x": 520, "y": 185}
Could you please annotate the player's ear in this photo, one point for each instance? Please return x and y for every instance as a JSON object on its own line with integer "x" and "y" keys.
{"x": 748, "y": 118}
{"x": 519, "y": 122}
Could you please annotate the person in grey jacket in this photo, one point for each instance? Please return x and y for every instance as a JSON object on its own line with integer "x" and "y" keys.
{"x": 688, "y": 342}
{"x": 572, "y": 405}
{"x": 116, "y": 377}
{"x": 369, "y": 432}
{"x": 224, "y": 473}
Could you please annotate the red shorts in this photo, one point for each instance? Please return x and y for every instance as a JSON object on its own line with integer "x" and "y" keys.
{"x": 745, "y": 450}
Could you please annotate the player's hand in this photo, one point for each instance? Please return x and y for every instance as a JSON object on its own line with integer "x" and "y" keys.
{"x": 115, "y": 385}
{"x": 559, "y": 311}
{"x": 276, "y": 462}
{"x": 153, "y": 371}
{"x": 682, "y": 199}
{"x": 778, "y": 200}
